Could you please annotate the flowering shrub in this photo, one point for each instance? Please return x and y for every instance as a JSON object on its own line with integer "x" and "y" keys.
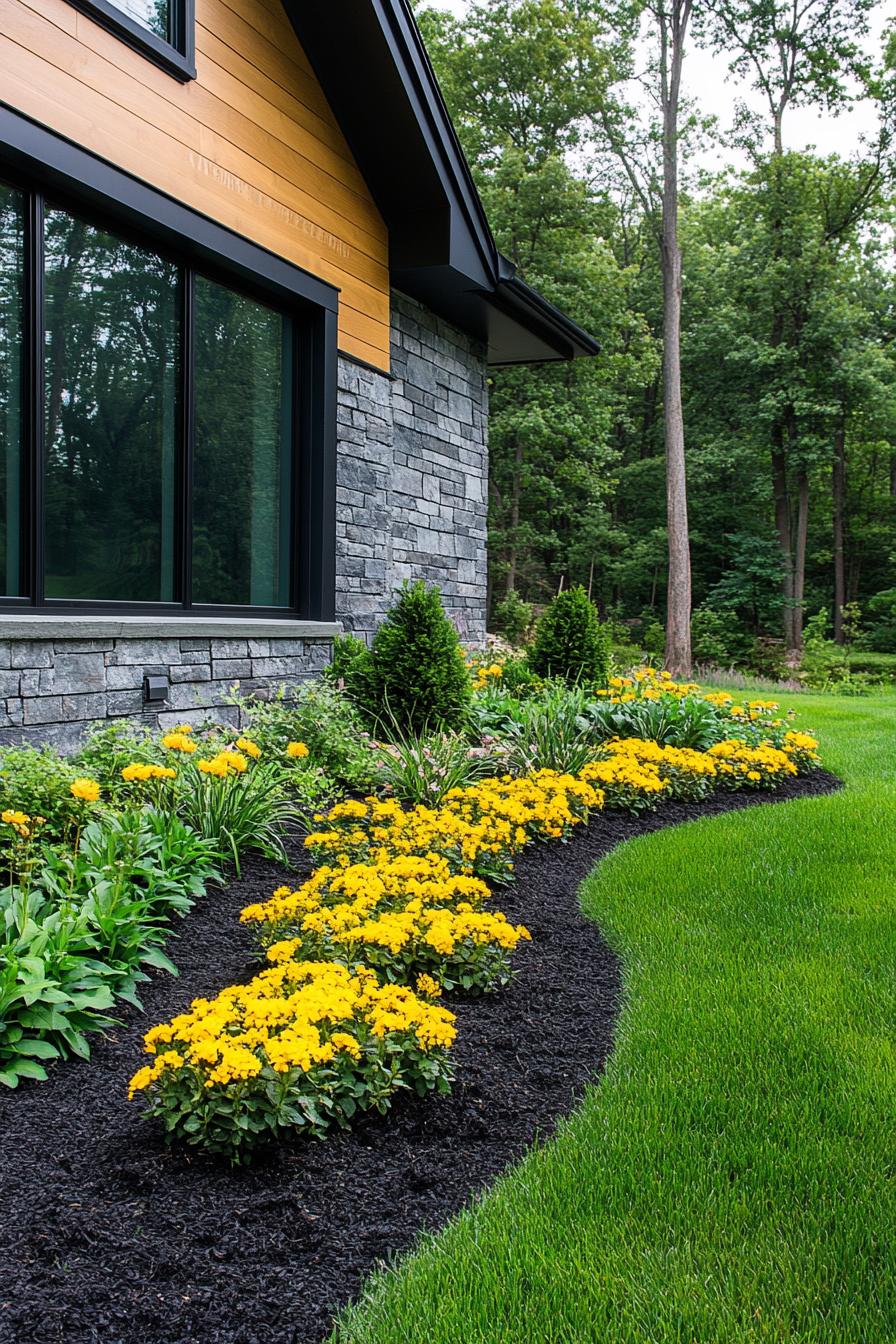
{"x": 477, "y": 829}
{"x": 741, "y": 766}
{"x": 301, "y": 1048}
{"x": 404, "y": 917}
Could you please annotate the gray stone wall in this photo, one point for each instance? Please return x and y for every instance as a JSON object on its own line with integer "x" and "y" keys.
{"x": 412, "y": 474}
{"x": 49, "y": 689}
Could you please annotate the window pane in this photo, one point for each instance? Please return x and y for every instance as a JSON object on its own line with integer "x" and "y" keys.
{"x": 12, "y": 257}
{"x": 112, "y": 322}
{"x": 243, "y": 457}
{"x": 152, "y": 14}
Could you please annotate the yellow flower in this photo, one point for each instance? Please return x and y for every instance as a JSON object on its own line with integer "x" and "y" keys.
{"x": 179, "y": 741}
{"x": 13, "y": 818}
{"x": 250, "y": 748}
{"x": 86, "y": 789}
{"x": 216, "y": 766}
{"x": 429, "y": 988}
{"x": 296, "y": 749}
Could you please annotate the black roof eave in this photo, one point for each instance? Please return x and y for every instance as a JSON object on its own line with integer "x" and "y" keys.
{"x": 371, "y": 62}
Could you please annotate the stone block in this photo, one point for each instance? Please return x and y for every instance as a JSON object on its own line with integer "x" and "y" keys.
{"x": 191, "y": 672}
{"x": 231, "y": 668}
{"x": 31, "y": 653}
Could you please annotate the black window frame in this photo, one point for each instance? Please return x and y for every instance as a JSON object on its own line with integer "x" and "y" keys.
{"x": 177, "y": 56}
{"x": 46, "y": 167}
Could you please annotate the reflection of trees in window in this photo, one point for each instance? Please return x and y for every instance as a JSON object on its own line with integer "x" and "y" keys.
{"x": 11, "y": 278}
{"x": 153, "y": 14}
{"x": 241, "y": 471}
{"x": 111, "y": 385}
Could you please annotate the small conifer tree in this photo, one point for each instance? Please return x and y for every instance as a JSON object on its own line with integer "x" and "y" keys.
{"x": 569, "y": 641}
{"x": 419, "y": 680}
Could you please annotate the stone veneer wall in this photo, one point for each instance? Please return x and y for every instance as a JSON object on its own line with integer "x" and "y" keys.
{"x": 412, "y": 474}
{"x": 412, "y": 477}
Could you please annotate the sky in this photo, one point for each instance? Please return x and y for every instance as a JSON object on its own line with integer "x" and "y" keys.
{"x": 707, "y": 79}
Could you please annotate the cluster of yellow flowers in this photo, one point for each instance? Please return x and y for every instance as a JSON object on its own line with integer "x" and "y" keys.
{"x": 180, "y": 740}
{"x": 404, "y": 915}
{"x": 739, "y": 764}
{"x": 477, "y": 829}
{"x": 646, "y": 683}
{"x": 486, "y": 674}
{"x": 301, "y": 1047}
{"x": 138, "y": 772}
{"x": 85, "y": 790}
{"x": 21, "y": 822}
{"x": 225, "y": 764}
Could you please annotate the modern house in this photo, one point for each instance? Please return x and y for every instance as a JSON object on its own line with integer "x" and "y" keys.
{"x": 248, "y": 301}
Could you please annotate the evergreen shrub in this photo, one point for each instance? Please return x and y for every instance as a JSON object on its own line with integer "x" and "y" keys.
{"x": 569, "y": 642}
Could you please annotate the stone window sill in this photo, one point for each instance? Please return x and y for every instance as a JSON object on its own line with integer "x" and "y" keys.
{"x": 45, "y": 626}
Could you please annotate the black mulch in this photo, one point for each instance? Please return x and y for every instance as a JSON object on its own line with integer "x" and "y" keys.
{"x": 107, "y": 1236}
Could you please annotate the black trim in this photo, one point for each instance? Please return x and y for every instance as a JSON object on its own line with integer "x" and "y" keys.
{"x": 36, "y": 161}
{"x": 369, "y": 53}
{"x": 120, "y": 198}
{"x": 177, "y": 56}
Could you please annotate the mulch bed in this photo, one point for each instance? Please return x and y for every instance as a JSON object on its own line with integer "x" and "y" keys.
{"x": 108, "y": 1237}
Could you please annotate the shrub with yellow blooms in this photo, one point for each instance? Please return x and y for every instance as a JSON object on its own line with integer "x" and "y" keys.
{"x": 741, "y": 766}
{"x": 301, "y": 1049}
{"x": 404, "y": 917}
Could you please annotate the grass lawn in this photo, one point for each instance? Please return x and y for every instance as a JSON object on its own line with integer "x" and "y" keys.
{"x": 731, "y": 1178}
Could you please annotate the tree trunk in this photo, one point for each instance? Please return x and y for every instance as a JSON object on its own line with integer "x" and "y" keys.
{"x": 799, "y": 563}
{"x": 838, "y": 492}
{"x": 678, "y": 618}
{"x": 782, "y": 528}
{"x": 516, "y": 489}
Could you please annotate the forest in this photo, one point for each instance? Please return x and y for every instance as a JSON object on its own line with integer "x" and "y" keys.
{"x": 580, "y": 121}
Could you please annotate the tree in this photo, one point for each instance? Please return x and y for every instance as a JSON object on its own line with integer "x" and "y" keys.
{"x": 796, "y": 55}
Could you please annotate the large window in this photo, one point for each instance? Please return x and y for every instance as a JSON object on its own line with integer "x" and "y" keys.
{"x": 162, "y": 465}
{"x": 12, "y": 270}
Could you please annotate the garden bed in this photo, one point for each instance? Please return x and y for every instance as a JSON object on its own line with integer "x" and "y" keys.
{"x": 109, "y": 1237}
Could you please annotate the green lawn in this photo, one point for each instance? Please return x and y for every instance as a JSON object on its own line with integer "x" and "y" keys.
{"x": 731, "y": 1178}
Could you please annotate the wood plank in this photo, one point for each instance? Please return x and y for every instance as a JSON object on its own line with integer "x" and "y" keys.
{"x": 252, "y": 142}
{"x": 332, "y": 205}
{"x": 90, "y": 125}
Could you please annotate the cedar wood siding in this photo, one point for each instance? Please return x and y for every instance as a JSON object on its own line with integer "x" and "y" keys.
{"x": 251, "y": 142}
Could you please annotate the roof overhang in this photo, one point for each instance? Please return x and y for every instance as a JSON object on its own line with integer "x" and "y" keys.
{"x": 373, "y": 67}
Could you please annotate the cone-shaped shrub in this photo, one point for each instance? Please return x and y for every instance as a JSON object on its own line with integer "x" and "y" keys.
{"x": 569, "y": 641}
{"x": 419, "y": 679}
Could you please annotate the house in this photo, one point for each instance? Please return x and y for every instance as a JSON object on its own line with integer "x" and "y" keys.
{"x": 248, "y": 301}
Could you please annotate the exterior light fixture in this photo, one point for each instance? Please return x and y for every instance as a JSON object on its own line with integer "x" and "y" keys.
{"x": 155, "y": 690}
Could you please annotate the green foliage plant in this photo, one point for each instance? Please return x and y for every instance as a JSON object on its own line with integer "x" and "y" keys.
{"x": 569, "y": 642}
{"x": 551, "y": 732}
{"x": 82, "y": 927}
{"x": 668, "y": 720}
{"x": 513, "y": 617}
{"x": 417, "y": 769}
{"x": 326, "y": 719}
{"x": 38, "y": 781}
{"x": 419, "y": 679}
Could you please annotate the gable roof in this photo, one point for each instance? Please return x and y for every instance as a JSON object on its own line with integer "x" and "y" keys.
{"x": 369, "y": 57}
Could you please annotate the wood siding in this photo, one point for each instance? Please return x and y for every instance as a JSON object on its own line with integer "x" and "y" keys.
{"x": 251, "y": 142}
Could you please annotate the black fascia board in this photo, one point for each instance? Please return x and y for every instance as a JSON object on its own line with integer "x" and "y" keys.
{"x": 374, "y": 69}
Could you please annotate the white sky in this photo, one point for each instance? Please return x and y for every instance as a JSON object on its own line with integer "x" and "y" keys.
{"x": 706, "y": 80}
